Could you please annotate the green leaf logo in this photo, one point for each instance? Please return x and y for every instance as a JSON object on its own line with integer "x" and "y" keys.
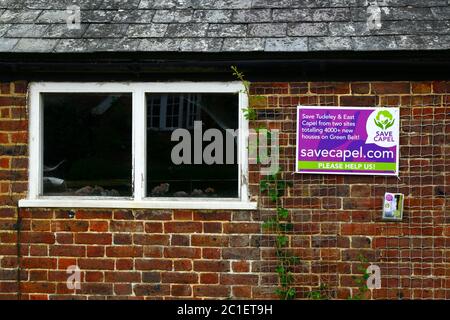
{"x": 384, "y": 120}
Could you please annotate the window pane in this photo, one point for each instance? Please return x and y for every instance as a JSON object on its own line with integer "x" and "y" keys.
{"x": 87, "y": 144}
{"x": 166, "y": 178}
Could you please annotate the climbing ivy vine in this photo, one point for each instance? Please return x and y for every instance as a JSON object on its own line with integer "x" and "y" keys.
{"x": 274, "y": 186}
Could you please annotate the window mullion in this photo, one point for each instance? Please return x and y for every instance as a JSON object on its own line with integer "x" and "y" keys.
{"x": 139, "y": 143}
{"x": 243, "y": 148}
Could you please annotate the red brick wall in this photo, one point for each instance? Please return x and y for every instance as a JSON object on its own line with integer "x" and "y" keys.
{"x": 157, "y": 254}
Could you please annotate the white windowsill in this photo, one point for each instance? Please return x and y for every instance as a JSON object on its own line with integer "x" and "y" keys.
{"x": 224, "y": 204}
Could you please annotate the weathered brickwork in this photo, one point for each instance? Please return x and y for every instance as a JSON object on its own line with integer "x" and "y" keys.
{"x": 168, "y": 254}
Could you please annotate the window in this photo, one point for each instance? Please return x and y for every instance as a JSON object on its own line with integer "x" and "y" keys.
{"x": 138, "y": 145}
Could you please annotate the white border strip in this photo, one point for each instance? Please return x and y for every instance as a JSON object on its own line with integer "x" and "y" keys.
{"x": 139, "y": 200}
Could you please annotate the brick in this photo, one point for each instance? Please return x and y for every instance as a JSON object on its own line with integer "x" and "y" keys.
{"x": 241, "y": 292}
{"x": 125, "y": 277}
{"x": 151, "y": 290}
{"x": 209, "y": 241}
{"x": 241, "y": 253}
{"x": 182, "y": 215}
{"x": 421, "y": 87}
{"x": 123, "y": 289}
{"x": 212, "y": 227}
{"x": 38, "y": 263}
{"x": 37, "y": 237}
{"x": 390, "y": 87}
{"x": 209, "y": 278}
{"x": 180, "y": 240}
{"x": 360, "y": 88}
{"x": 123, "y": 238}
{"x": 68, "y": 251}
{"x": 98, "y": 226}
{"x": 153, "y": 227}
{"x": 211, "y": 253}
{"x": 70, "y": 226}
{"x": 179, "y": 277}
{"x": 181, "y": 290}
{"x": 211, "y": 291}
{"x": 358, "y": 101}
{"x": 212, "y": 216}
{"x": 97, "y": 288}
{"x": 153, "y": 264}
{"x": 40, "y": 287}
{"x": 182, "y": 265}
{"x": 151, "y": 239}
{"x": 238, "y": 279}
{"x": 124, "y": 264}
{"x": 441, "y": 86}
{"x": 96, "y": 264}
{"x": 242, "y": 227}
{"x": 124, "y": 251}
{"x": 126, "y": 226}
{"x": 181, "y": 252}
{"x": 211, "y": 266}
{"x": 95, "y": 251}
{"x": 93, "y": 238}
{"x": 182, "y": 227}
{"x": 91, "y": 215}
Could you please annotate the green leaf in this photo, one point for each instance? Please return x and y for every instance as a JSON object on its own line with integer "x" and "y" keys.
{"x": 270, "y": 224}
{"x": 286, "y": 227}
{"x": 282, "y": 241}
{"x": 249, "y": 113}
{"x": 263, "y": 185}
{"x": 280, "y": 270}
{"x": 283, "y": 213}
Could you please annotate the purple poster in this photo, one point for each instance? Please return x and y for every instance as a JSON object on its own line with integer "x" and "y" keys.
{"x": 348, "y": 140}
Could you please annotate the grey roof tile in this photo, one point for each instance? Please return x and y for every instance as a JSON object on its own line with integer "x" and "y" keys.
{"x": 442, "y": 13}
{"x": 163, "y": 44}
{"x": 133, "y": 16}
{"x": 153, "y": 30}
{"x": 56, "y": 4}
{"x": 307, "y": 29}
{"x": 334, "y": 14}
{"x": 97, "y": 16}
{"x": 92, "y": 45}
{"x": 273, "y": 3}
{"x": 254, "y": 15}
{"x": 26, "y": 30}
{"x": 292, "y": 15}
{"x": 214, "y": 16}
{"x": 62, "y": 31}
{"x": 7, "y": 44}
{"x": 374, "y": 43}
{"x": 4, "y": 28}
{"x": 119, "y": 4}
{"x": 53, "y": 16}
{"x": 243, "y": 44}
{"x": 19, "y": 16}
{"x": 227, "y": 30}
{"x": 423, "y": 42}
{"x": 35, "y": 45}
{"x": 228, "y": 25}
{"x": 179, "y": 16}
{"x": 106, "y": 31}
{"x": 222, "y": 4}
{"x": 188, "y": 30}
{"x": 267, "y": 30}
{"x": 287, "y": 44}
{"x": 166, "y": 4}
{"x": 329, "y": 43}
{"x": 201, "y": 45}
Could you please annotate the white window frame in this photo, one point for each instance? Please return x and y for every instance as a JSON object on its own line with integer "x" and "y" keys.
{"x": 139, "y": 152}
